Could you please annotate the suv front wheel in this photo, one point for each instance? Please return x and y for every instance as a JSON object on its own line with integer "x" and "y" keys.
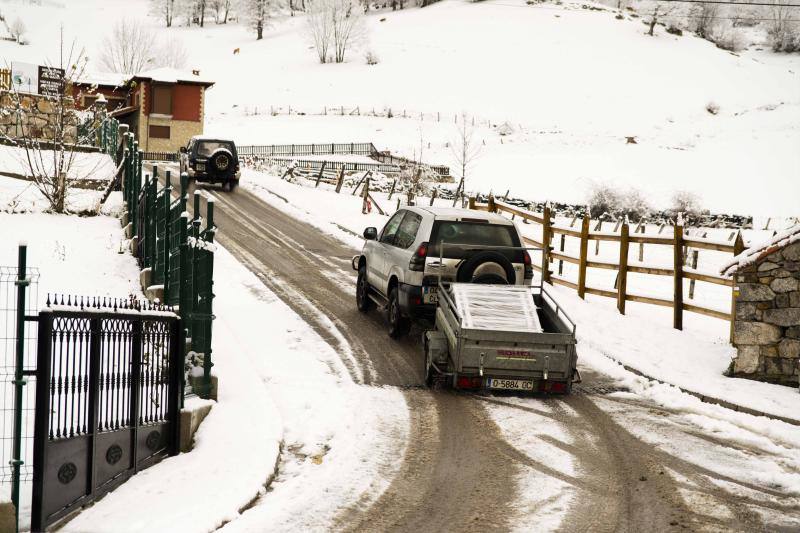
{"x": 398, "y": 324}
{"x": 363, "y": 302}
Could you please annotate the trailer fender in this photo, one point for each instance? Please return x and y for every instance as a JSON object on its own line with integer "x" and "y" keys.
{"x": 436, "y": 344}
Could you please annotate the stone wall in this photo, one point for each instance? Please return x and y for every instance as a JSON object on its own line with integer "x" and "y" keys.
{"x": 767, "y": 325}
{"x": 39, "y": 118}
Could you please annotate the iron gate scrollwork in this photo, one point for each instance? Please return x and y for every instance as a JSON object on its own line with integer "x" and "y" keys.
{"x": 107, "y": 403}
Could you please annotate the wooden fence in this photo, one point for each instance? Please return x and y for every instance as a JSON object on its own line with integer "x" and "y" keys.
{"x": 5, "y": 79}
{"x": 332, "y": 167}
{"x": 679, "y": 241}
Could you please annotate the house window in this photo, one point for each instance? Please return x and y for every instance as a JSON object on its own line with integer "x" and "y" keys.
{"x": 162, "y": 100}
{"x": 159, "y": 132}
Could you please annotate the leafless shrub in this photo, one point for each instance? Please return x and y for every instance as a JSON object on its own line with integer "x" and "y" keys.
{"x": 603, "y": 198}
{"x": 172, "y": 53}
{"x": 371, "y": 58}
{"x": 688, "y": 203}
{"x": 783, "y": 33}
{"x": 704, "y": 18}
{"x": 712, "y": 107}
{"x": 728, "y": 37}
{"x": 336, "y": 25}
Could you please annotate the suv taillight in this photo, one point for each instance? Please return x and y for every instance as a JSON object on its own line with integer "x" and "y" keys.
{"x": 417, "y": 263}
{"x": 528, "y": 265}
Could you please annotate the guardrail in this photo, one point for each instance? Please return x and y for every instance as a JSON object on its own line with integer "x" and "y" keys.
{"x": 306, "y": 149}
{"x": 622, "y": 235}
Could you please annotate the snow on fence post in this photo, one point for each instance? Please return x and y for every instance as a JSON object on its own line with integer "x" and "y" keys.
{"x": 738, "y": 247}
{"x": 583, "y": 252}
{"x": 677, "y": 249}
{"x": 622, "y": 278}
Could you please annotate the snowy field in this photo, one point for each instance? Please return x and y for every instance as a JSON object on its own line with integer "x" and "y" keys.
{"x": 571, "y": 102}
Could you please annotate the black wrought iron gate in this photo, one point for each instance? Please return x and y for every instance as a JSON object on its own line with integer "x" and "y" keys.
{"x": 107, "y": 403}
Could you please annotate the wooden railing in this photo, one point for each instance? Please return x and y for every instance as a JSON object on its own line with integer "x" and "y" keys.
{"x": 5, "y": 79}
{"x": 622, "y": 234}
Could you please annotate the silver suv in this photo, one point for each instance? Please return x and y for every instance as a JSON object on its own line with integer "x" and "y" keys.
{"x": 398, "y": 269}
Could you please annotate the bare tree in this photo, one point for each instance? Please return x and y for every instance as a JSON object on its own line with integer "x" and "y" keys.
{"x": 17, "y": 28}
{"x": 348, "y": 26}
{"x": 320, "y": 27}
{"x": 48, "y": 152}
{"x": 257, "y": 13}
{"x": 201, "y": 11}
{"x": 130, "y": 48}
{"x": 334, "y": 24}
{"x": 660, "y": 9}
{"x": 163, "y": 8}
{"x": 465, "y": 150}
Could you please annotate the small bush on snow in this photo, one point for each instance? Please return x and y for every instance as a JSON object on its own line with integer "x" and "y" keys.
{"x": 17, "y": 29}
{"x": 712, "y": 107}
{"x": 371, "y": 58}
{"x": 687, "y": 203}
{"x": 603, "y": 198}
{"x": 728, "y": 37}
{"x": 674, "y": 30}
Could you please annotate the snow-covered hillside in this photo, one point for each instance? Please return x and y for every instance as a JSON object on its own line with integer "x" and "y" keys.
{"x": 573, "y": 83}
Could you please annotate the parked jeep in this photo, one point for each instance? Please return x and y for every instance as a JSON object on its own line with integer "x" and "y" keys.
{"x": 211, "y": 160}
{"x": 398, "y": 269}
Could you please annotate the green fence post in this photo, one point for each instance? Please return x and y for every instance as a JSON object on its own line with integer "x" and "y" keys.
{"x": 184, "y": 287}
{"x": 167, "y": 201}
{"x": 16, "y": 460}
{"x": 153, "y": 220}
{"x": 209, "y": 259}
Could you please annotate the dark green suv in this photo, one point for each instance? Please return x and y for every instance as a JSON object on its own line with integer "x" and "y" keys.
{"x": 211, "y": 160}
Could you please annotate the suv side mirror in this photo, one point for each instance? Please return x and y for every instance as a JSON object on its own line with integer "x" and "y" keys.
{"x": 370, "y": 234}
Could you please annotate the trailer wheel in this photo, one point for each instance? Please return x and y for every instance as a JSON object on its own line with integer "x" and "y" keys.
{"x": 398, "y": 324}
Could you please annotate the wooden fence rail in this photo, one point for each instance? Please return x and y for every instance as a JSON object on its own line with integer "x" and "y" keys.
{"x": 623, "y": 235}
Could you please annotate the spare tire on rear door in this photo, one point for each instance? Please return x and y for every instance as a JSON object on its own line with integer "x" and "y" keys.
{"x": 221, "y": 161}
{"x": 487, "y": 267}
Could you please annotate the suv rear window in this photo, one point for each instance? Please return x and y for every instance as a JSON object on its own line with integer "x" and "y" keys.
{"x": 206, "y": 148}
{"x": 472, "y": 233}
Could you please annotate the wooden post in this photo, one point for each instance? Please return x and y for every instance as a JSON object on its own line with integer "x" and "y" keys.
{"x": 738, "y": 247}
{"x": 547, "y": 236}
{"x": 433, "y": 196}
{"x": 365, "y": 196}
{"x": 505, "y": 198}
{"x": 561, "y": 261}
{"x": 398, "y": 205}
{"x": 583, "y": 253}
{"x": 471, "y": 202}
{"x": 677, "y": 249}
{"x": 391, "y": 191}
{"x": 599, "y": 227}
{"x": 641, "y": 244}
{"x": 622, "y": 278}
{"x": 491, "y": 206}
{"x": 691, "y": 282}
{"x": 340, "y": 180}
{"x": 321, "y": 170}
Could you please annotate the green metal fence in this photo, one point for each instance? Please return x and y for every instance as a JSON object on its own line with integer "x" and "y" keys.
{"x": 178, "y": 252}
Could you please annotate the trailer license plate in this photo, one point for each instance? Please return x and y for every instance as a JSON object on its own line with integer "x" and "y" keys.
{"x": 510, "y": 384}
{"x": 201, "y": 166}
{"x": 430, "y": 295}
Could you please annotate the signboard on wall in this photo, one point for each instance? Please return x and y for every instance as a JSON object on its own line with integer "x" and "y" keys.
{"x": 51, "y": 81}
{"x": 25, "y": 77}
{"x": 37, "y": 79}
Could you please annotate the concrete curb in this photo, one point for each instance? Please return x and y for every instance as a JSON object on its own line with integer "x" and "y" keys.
{"x": 710, "y": 399}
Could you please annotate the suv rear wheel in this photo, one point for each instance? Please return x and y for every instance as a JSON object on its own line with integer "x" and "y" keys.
{"x": 398, "y": 324}
{"x": 363, "y": 301}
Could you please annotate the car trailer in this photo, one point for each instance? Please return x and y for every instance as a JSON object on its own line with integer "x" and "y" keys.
{"x": 500, "y": 337}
